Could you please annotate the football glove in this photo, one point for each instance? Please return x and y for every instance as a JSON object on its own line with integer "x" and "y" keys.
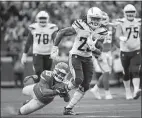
{"x": 61, "y": 89}
{"x": 24, "y": 58}
{"x": 91, "y": 43}
{"x": 96, "y": 53}
{"x": 54, "y": 52}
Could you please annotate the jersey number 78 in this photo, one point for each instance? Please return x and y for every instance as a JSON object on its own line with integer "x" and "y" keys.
{"x": 43, "y": 37}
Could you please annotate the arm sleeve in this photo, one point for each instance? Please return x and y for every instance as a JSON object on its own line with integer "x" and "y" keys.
{"x": 49, "y": 92}
{"x": 64, "y": 32}
{"x": 29, "y": 42}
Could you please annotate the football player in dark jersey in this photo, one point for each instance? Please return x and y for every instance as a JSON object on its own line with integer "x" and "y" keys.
{"x": 51, "y": 83}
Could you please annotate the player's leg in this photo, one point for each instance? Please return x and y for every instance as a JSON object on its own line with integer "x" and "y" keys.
{"x": 104, "y": 78}
{"x": 32, "y": 106}
{"x": 77, "y": 73}
{"x": 125, "y": 60}
{"x": 38, "y": 65}
{"x": 135, "y": 69}
{"x": 47, "y": 62}
{"x": 28, "y": 90}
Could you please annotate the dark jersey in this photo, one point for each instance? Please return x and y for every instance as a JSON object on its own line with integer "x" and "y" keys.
{"x": 43, "y": 90}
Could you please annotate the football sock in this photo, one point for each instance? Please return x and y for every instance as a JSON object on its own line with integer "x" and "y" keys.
{"x": 78, "y": 95}
{"x": 136, "y": 84}
{"x": 127, "y": 85}
{"x": 106, "y": 81}
{"x": 100, "y": 81}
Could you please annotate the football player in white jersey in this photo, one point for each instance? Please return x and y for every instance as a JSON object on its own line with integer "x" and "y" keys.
{"x": 41, "y": 35}
{"x": 105, "y": 62}
{"x": 128, "y": 33}
{"x": 80, "y": 59}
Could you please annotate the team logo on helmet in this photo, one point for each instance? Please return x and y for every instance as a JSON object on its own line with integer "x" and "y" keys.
{"x": 94, "y": 16}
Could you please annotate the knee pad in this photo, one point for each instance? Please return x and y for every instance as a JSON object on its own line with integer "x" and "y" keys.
{"x": 126, "y": 76}
{"x": 78, "y": 82}
{"x": 84, "y": 87}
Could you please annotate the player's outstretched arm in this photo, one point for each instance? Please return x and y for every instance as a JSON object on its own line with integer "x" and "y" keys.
{"x": 64, "y": 32}
{"x": 29, "y": 42}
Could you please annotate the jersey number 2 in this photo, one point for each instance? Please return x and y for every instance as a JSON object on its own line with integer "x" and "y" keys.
{"x": 83, "y": 43}
{"x": 45, "y": 38}
{"x": 135, "y": 34}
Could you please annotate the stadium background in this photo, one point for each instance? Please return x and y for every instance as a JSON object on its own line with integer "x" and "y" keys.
{"x": 16, "y": 16}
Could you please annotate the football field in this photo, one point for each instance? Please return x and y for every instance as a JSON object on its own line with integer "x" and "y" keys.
{"x": 11, "y": 100}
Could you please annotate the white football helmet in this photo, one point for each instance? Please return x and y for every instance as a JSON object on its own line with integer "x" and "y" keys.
{"x": 105, "y": 18}
{"x": 42, "y": 18}
{"x": 94, "y": 17}
{"x": 129, "y": 12}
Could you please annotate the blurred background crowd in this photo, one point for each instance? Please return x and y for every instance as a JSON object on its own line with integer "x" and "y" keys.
{"x": 17, "y": 16}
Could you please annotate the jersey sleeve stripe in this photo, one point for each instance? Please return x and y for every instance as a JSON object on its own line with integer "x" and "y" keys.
{"x": 76, "y": 25}
{"x": 79, "y": 25}
{"x": 53, "y": 27}
{"x": 104, "y": 33}
{"x": 31, "y": 28}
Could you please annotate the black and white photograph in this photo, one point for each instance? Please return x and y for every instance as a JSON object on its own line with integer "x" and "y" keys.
{"x": 71, "y": 59}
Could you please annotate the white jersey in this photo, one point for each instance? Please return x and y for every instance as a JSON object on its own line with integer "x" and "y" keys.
{"x": 131, "y": 31}
{"x": 42, "y": 41}
{"x": 80, "y": 46}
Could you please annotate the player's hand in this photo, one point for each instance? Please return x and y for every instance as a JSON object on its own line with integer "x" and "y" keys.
{"x": 54, "y": 52}
{"x": 97, "y": 53}
{"x": 24, "y": 58}
{"x": 123, "y": 38}
{"x": 91, "y": 43}
{"x": 61, "y": 92}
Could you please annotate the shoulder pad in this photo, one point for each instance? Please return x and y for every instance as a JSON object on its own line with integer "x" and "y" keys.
{"x": 32, "y": 26}
{"x": 78, "y": 24}
{"x": 138, "y": 20}
{"x": 102, "y": 31}
{"x": 45, "y": 74}
{"x": 52, "y": 26}
{"x": 120, "y": 20}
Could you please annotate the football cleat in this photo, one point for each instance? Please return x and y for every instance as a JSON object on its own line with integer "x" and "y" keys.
{"x": 129, "y": 95}
{"x": 68, "y": 111}
{"x": 137, "y": 94}
{"x": 108, "y": 95}
{"x": 96, "y": 93}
